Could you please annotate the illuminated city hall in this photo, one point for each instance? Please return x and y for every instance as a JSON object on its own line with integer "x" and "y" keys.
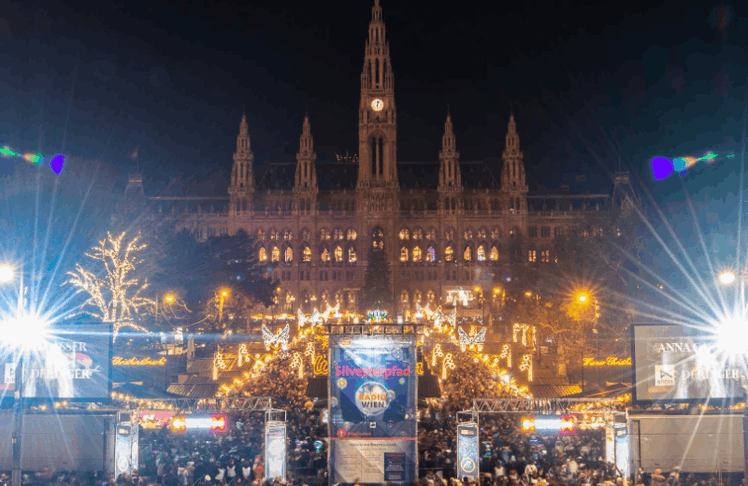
{"x": 445, "y": 226}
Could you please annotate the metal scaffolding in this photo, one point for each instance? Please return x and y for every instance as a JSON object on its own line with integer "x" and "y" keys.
{"x": 541, "y": 405}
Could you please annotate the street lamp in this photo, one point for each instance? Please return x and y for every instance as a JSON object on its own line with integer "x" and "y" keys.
{"x": 224, "y": 294}
{"x": 7, "y": 274}
{"x": 727, "y": 277}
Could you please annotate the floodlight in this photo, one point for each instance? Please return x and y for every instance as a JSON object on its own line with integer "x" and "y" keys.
{"x": 26, "y": 332}
{"x": 6, "y": 273}
{"x": 582, "y": 297}
{"x": 726, "y": 278}
{"x": 730, "y": 335}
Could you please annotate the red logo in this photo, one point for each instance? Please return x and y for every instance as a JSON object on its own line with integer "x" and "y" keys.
{"x": 341, "y": 433}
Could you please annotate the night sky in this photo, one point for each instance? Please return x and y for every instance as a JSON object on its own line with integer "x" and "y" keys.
{"x": 587, "y": 82}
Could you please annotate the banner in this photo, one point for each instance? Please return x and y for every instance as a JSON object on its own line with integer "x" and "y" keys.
{"x": 681, "y": 364}
{"x": 467, "y": 451}
{"x": 275, "y": 450}
{"x": 372, "y": 418}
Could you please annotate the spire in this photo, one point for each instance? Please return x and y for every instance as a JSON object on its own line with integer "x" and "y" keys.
{"x": 512, "y": 138}
{"x": 449, "y": 167}
{"x": 513, "y": 172}
{"x": 306, "y": 170}
{"x": 242, "y": 180}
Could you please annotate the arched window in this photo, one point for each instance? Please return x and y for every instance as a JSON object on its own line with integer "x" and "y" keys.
{"x": 468, "y": 234}
{"x": 325, "y": 297}
{"x": 261, "y": 235}
{"x": 482, "y": 233}
{"x": 263, "y": 256}
{"x": 494, "y": 256}
{"x": 449, "y": 253}
{"x": 417, "y": 234}
{"x": 468, "y": 254}
{"x": 288, "y": 255}
{"x": 238, "y": 207}
{"x": 306, "y": 234}
{"x": 275, "y": 254}
{"x": 449, "y": 234}
{"x": 287, "y": 234}
{"x": 289, "y": 300}
{"x": 481, "y": 253}
{"x": 430, "y": 296}
{"x": 417, "y": 297}
{"x": 377, "y": 238}
{"x": 339, "y": 298}
{"x": 495, "y": 233}
{"x": 404, "y": 297}
{"x": 306, "y": 303}
{"x": 337, "y": 234}
{"x": 338, "y": 254}
{"x": 351, "y": 255}
{"x": 431, "y": 233}
{"x": 325, "y": 255}
{"x": 324, "y": 234}
{"x": 404, "y": 234}
{"x": 430, "y": 254}
{"x": 273, "y": 234}
{"x": 351, "y": 234}
{"x": 417, "y": 255}
{"x": 403, "y": 254}
{"x": 307, "y": 254}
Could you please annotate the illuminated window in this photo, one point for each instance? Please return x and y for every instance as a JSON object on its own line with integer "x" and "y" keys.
{"x": 531, "y": 256}
{"x": 263, "y": 255}
{"x": 351, "y": 255}
{"x": 288, "y": 256}
{"x": 307, "y": 254}
{"x": 404, "y": 297}
{"x": 325, "y": 296}
{"x": 495, "y": 233}
{"x": 481, "y": 254}
{"x": 449, "y": 234}
{"x": 430, "y": 295}
{"x": 468, "y": 255}
{"x": 275, "y": 254}
{"x": 338, "y": 254}
{"x": 585, "y": 232}
{"x": 325, "y": 256}
{"x": 377, "y": 238}
{"x": 404, "y": 234}
{"x": 417, "y": 296}
{"x": 403, "y": 254}
{"x": 261, "y": 235}
{"x": 337, "y": 234}
{"x": 482, "y": 233}
{"x": 494, "y": 254}
{"x": 545, "y": 256}
{"x": 417, "y": 234}
{"x": 306, "y": 234}
{"x": 449, "y": 253}
{"x": 431, "y": 233}
{"x": 324, "y": 234}
{"x": 339, "y": 298}
{"x": 351, "y": 234}
{"x": 287, "y": 235}
{"x": 417, "y": 256}
{"x": 273, "y": 234}
{"x": 468, "y": 234}
{"x": 431, "y": 254}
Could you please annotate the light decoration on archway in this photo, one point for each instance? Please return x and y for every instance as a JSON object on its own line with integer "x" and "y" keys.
{"x": 506, "y": 353}
{"x": 472, "y": 342}
{"x": 526, "y": 365}
{"x": 524, "y": 333}
{"x": 278, "y": 340}
{"x": 218, "y": 363}
{"x": 436, "y": 353}
{"x": 310, "y": 351}
{"x": 298, "y": 363}
{"x": 331, "y": 311}
{"x": 447, "y": 364}
{"x": 243, "y": 355}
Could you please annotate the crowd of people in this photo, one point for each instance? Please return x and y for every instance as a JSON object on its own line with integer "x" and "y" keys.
{"x": 509, "y": 456}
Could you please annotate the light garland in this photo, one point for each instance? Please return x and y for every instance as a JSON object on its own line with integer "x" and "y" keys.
{"x": 472, "y": 342}
{"x": 447, "y": 363}
{"x": 281, "y": 338}
{"x": 506, "y": 353}
{"x": 436, "y": 353}
{"x": 526, "y": 365}
{"x": 298, "y": 363}
{"x": 243, "y": 354}
{"x": 218, "y": 362}
{"x": 527, "y": 333}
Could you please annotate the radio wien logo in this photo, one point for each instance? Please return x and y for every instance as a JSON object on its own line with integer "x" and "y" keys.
{"x": 373, "y": 398}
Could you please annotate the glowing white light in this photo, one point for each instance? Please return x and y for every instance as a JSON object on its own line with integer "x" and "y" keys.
{"x": 726, "y": 278}
{"x": 730, "y": 336}
{"x": 27, "y": 332}
{"x": 6, "y": 273}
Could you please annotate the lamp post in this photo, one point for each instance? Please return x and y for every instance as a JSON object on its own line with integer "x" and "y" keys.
{"x": 224, "y": 294}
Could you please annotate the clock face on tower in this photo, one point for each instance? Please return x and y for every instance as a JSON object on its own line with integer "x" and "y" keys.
{"x": 377, "y": 104}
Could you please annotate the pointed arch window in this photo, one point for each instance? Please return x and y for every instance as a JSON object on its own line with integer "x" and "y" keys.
{"x": 449, "y": 234}
{"x": 306, "y": 234}
{"x": 481, "y": 253}
{"x": 430, "y": 296}
{"x": 338, "y": 254}
{"x": 275, "y": 254}
{"x": 417, "y": 296}
{"x": 263, "y": 255}
{"x": 482, "y": 233}
{"x": 324, "y": 234}
{"x": 338, "y": 234}
{"x": 273, "y": 234}
{"x": 468, "y": 254}
{"x": 494, "y": 256}
{"x": 404, "y": 298}
{"x": 325, "y": 256}
{"x": 417, "y": 255}
{"x": 403, "y": 254}
{"x": 430, "y": 254}
{"x": 469, "y": 234}
{"x": 287, "y": 235}
{"x": 431, "y": 233}
{"x": 417, "y": 234}
{"x": 325, "y": 296}
{"x": 306, "y": 254}
{"x": 404, "y": 234}
{"x": 449, "y": 253}
{"x": 351, "y": 255}
{"x": 261, "y": 235}
{"x": 351, "y": 234}
{"x": 288, "y": 255}
{"x": 495, "y": 233}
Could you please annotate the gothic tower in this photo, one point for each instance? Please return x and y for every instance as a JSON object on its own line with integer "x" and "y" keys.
{"x": 377, "y": 127}
{"x": 513, "y": 184}
{"x": 305, "y": 185}
{"x": 450, "y": 182}
{"x": 242, "y": 178}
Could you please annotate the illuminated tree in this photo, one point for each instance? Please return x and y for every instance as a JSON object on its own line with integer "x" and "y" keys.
{"x": 113, "y": 291}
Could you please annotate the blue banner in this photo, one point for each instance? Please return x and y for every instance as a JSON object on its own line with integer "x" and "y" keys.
{"x": 467, "y": 451}
{"x": 275, "y": 450}
{"x": 373, "y": 393}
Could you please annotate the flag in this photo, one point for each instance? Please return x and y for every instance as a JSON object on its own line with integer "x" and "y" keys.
{"x": 134, "y": 153}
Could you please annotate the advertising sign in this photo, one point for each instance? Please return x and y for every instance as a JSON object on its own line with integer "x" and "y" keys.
{"x": 74, "y": 364}
{"x": 373, "y": 390}
{"x": 679, "y": 364}
{"x": 275, "y": 450}
{"x": 467, "y": 450}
